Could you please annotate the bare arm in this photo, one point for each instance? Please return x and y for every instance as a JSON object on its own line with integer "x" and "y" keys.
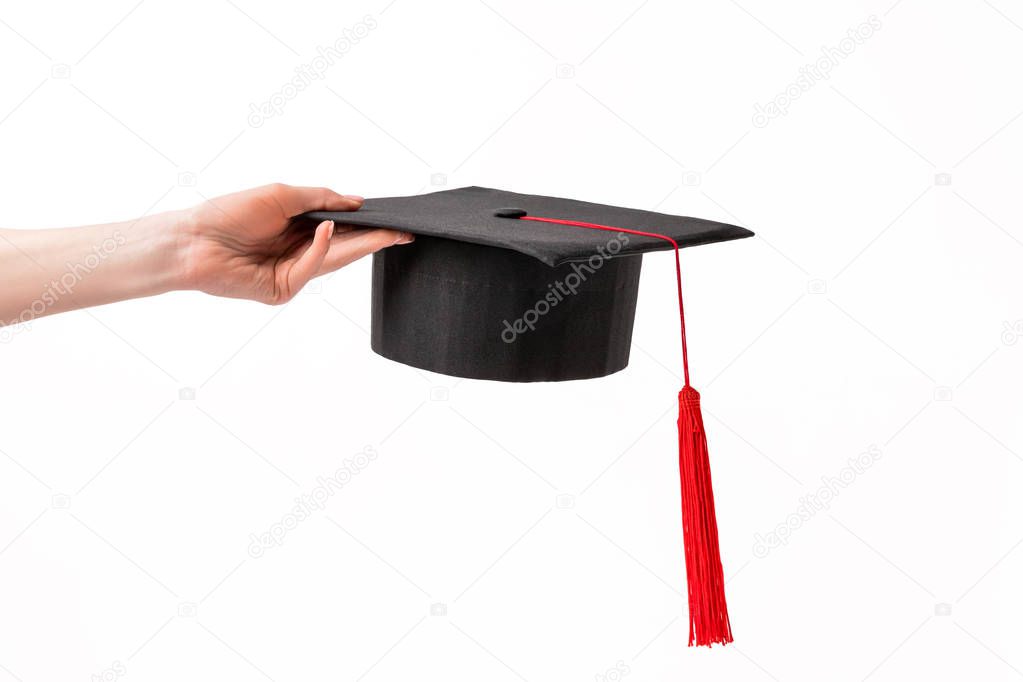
{"x": 241, "y": 245}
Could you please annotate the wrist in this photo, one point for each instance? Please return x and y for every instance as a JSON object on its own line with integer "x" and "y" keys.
{"x": 181, "y": 234}
{"x": 168, "y": 238}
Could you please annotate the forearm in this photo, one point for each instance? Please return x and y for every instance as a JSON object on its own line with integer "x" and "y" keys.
{"x": 242, "y": 245}
{"x": 51, "y": 271}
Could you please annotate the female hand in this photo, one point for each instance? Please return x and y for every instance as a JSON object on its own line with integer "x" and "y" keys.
{"x": 245, "y": 245}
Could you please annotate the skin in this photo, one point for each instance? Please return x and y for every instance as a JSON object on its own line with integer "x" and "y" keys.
{"x": 242, "y": 245}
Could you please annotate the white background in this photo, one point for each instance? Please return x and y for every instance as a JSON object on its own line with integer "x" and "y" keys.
{"x": 877, "y": 307}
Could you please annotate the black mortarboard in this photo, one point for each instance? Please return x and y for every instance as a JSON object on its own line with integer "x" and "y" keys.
{"x": 484, "y": 296}
{"x": 519, "y": 287}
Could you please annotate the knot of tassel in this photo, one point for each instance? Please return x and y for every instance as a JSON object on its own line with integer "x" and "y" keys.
{"x": 708, "y": 613}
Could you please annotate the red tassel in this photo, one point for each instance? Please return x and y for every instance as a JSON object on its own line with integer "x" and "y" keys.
{"x": 708, "y": 613}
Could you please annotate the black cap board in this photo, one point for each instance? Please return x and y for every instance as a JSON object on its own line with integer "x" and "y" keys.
{"x": 484, "y": 294}
{"x": 518, "y": 287}
{"x": 478, "y": 215}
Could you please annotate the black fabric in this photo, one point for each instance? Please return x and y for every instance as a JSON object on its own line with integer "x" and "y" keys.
{"x": 467, "y": 215}
{"x": 453, "y": 307}
{"x": 484, "y": 295}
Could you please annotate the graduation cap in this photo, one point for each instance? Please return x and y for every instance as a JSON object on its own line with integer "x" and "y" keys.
{"x": 519, "y": 287}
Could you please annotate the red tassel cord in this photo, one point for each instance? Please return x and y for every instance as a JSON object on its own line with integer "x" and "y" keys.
{"x": 708, "y": 613}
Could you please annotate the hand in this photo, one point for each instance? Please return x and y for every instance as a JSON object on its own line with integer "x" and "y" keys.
{"x": 245, "y": 245}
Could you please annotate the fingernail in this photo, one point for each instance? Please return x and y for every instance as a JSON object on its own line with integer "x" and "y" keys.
{"x": 405, "y": 238}
{"x": 330, "y": 230}
{"x": 354, "y": 197}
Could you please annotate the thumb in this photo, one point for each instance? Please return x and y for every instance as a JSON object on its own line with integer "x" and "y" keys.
{"x": 306, "y": 266}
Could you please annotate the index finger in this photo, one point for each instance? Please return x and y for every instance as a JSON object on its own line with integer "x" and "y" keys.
{"x": 297, "y": 200}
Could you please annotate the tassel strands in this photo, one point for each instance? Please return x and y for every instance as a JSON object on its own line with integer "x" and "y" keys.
{"x": 708, "y": 612}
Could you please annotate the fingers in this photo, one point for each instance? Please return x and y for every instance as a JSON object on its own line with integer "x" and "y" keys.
{"x": 351, "y": 246}
{"x": 296, "y": 200}
{"x": 307, "y": 265}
